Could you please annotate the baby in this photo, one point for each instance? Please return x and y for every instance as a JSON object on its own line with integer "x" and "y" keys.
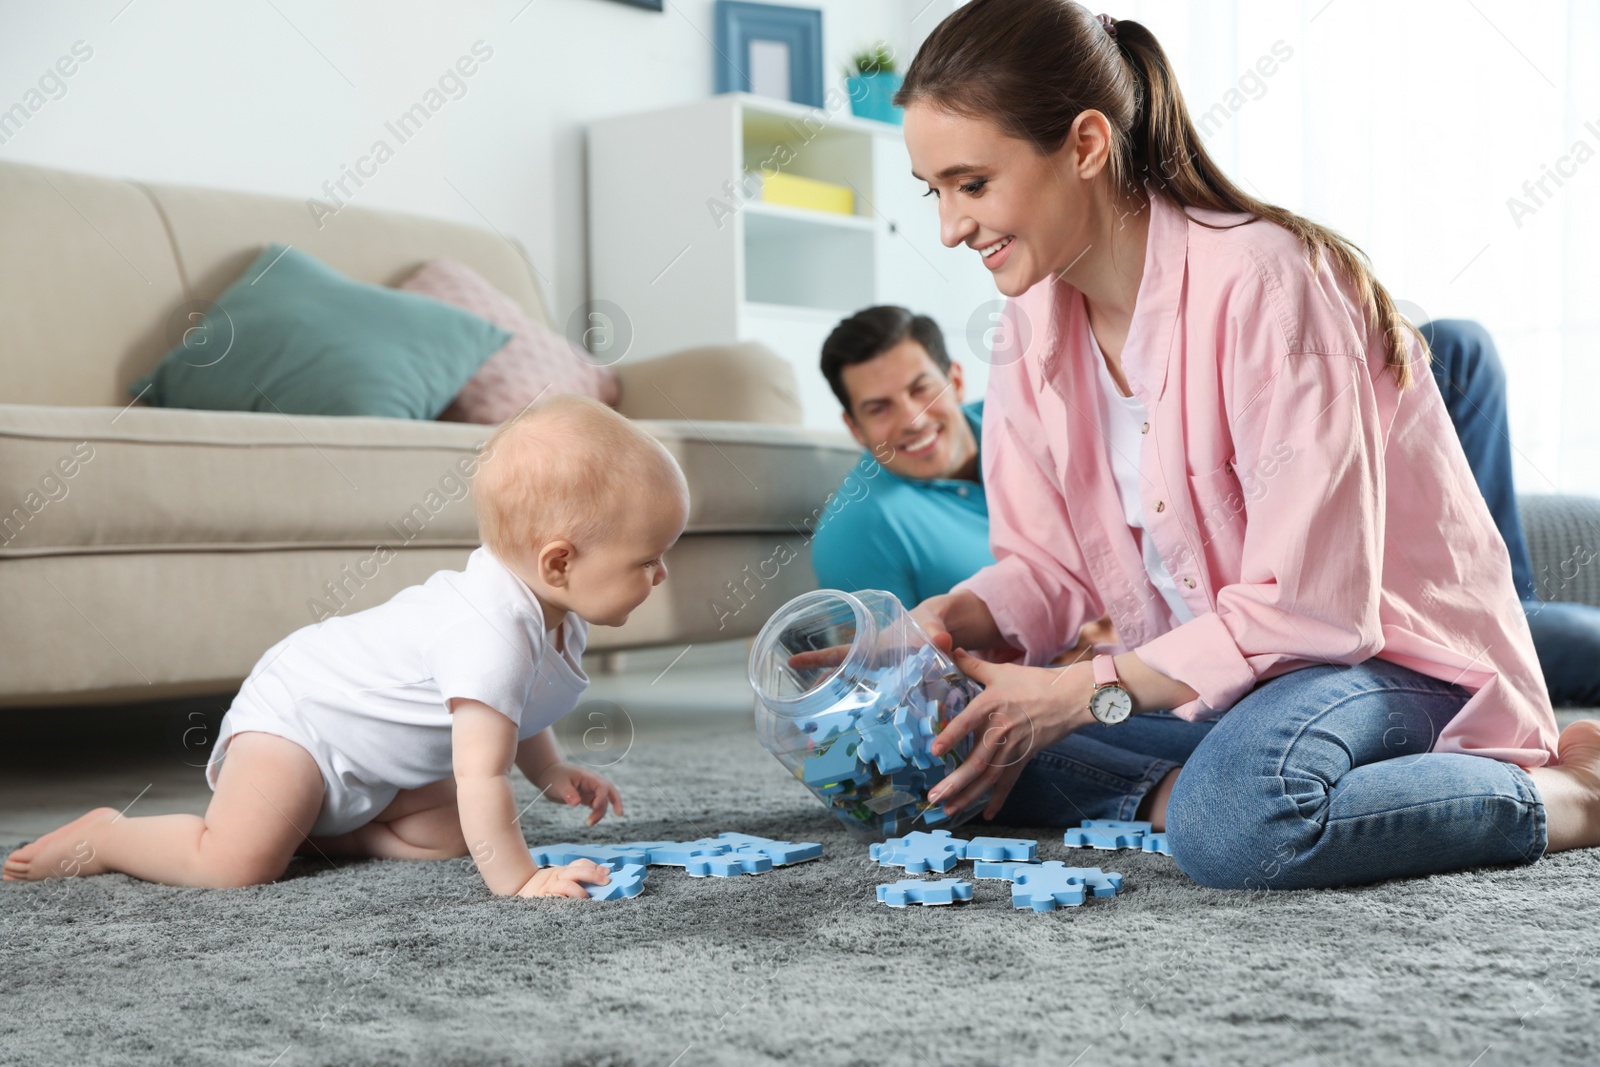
{"x": 391, "y": 732}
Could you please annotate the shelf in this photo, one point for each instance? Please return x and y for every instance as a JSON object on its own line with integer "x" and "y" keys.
{"x": 798, "y": 257}
{"x": 782, "y": 215}
{"x": 767, "y": 113}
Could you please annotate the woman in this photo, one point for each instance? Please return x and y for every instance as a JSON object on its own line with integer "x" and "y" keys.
{"x": 1206, "y": 419}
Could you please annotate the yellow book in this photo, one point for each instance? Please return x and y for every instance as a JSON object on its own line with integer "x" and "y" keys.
{"x": 809, "y": 193}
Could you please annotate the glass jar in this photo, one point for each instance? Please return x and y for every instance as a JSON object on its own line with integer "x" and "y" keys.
{"x": 850, "y": 692}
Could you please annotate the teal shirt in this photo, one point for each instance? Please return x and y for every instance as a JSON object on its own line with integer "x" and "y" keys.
{"x": 914, "y": 538}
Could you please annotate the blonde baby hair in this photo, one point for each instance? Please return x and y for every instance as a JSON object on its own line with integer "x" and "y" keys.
{"x": 567, "y": 467}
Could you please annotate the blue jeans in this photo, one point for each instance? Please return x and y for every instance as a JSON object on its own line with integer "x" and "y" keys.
{"x": 1566, "y": 636}
{"x": 1320, "y": 777}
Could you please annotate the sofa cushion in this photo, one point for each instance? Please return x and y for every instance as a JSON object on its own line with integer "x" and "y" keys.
{"x": 537, "y": 362}
{"x": 94, "y": 480}
{"x": 294, "y": 336}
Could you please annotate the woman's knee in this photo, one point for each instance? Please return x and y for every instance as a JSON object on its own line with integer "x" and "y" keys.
{"x": 1232, "y": 824}
{"x": 1205, "y": 845}
{"x": 1241, "y": 848}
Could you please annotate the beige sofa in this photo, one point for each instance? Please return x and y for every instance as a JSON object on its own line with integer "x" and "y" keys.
{"x": 148, "y": 552}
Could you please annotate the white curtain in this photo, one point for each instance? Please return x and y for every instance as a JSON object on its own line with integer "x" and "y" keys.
{"x": 1411, "y": 127}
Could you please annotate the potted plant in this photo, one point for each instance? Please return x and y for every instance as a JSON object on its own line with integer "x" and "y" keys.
{"x": 872, "y": 81}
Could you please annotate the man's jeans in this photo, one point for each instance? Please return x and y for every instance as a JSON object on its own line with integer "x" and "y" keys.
{"x": 1473, "y": 384}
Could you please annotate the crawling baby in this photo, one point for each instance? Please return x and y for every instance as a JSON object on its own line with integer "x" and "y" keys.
{"x": 391, "y": 732}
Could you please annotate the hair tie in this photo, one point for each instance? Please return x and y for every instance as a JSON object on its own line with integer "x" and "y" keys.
{"x": 1110, "y": 25}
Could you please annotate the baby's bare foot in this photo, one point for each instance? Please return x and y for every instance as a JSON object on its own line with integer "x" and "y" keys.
{"x": 64, "y": 852}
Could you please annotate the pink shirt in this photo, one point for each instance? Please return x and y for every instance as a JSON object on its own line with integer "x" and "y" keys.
{"x": 1309, "y": 510}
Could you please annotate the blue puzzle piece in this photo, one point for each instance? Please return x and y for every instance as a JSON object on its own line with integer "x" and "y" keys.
{"x": 1092, "y": 837}
{"x": 916, "y": 891}
{"x": 880, "y": 745}
{"x": 613, "y": 856}
{"x": 1101, "y": 883}
{"x": 1115, "y": 824}
{"x": 1044, "y": 886}
{"x": 627, "y": 882}
{"x": 837, "y": 763}
{"x": 1002, "y": 848}
{"x": 920, "y": 851}
{"x": 828, "y": 725}
{"x": 728, "y": 864}
{"x": 915, "y": 738}
{"x": 934, "y": 816}
{"x": 1156, "y": 843}
{"x": 680, "y": 853}
{"x": 782, "y": 853}
{"x": 997, "y": 869}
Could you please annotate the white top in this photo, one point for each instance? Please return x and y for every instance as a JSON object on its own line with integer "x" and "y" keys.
{"x": 1122, "y": 417}
{"x": 373, "y": 685}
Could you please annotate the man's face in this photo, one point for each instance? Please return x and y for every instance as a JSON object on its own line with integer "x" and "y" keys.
{"x": 908, "y": 414}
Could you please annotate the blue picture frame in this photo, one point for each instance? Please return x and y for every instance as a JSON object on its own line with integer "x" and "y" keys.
{"x": 800, "y": 28}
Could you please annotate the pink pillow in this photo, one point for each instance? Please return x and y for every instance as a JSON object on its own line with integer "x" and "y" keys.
{"x": 536, "y": 363}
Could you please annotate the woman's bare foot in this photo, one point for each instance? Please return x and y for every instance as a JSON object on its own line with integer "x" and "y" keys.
{"x": 64, "y": 852}
{"x": 1570, "y": 788}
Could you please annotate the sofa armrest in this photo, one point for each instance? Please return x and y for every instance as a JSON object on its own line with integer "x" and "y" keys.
{"x": 744, "y": 382}
{"x": 1563, "y": 533}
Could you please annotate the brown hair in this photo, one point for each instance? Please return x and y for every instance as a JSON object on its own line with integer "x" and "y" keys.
{"x": 871, "y": 332}
{"x": 1031, "y": 67}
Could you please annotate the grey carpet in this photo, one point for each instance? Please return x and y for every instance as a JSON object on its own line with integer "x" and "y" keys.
{"x": 387, "y": 962}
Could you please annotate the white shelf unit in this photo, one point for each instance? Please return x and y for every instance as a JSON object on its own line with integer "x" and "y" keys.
{"x": 681, "y": 242}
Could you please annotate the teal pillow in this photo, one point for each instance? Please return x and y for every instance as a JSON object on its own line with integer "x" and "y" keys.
{"x": 295, "y": 336}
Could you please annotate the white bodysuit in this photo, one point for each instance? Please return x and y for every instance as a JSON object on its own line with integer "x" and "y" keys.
{"x": 366, "y": 693}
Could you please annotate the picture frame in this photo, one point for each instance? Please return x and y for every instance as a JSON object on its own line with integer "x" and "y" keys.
{"x": 770, "y": 50}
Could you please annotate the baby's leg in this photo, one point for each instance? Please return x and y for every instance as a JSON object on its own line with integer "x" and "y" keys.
{"x": 418, "y": 824}
{"x": 268, "y": 794}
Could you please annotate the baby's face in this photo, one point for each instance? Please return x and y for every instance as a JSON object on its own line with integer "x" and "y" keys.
{"x": 610, "y": 579}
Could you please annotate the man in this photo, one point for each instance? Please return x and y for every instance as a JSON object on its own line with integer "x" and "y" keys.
{"x": 912, "y": 518}
{"x": 915, "y": 520}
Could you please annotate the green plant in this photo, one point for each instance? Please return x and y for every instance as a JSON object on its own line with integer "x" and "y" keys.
{"x": 879, "y": 59}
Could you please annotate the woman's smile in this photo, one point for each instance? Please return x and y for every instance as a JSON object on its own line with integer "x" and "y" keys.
{"x": 996, "y": 252}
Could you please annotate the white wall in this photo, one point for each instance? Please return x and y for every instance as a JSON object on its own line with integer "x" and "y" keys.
{"x": 1407, "y": 125}
{"x": 279, "y": 95}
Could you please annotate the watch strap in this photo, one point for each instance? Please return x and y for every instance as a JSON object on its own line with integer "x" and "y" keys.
{"x": 1105, "y": 670}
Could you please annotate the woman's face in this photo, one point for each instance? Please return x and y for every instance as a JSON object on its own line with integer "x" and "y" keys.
{"x": 1031, "y": 211}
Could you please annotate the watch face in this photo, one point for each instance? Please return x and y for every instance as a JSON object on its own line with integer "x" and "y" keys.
{"x": 1110, "y": 704}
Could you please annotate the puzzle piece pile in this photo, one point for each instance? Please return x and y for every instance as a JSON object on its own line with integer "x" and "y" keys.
{"x": 1039, "y": 886}
{"x": 869, "y": 757}
{"x": 1116, "y": 834}
{"x": 727, "y": 855}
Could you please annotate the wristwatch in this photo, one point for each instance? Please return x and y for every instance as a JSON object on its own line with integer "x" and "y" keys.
{"x": 1109, "y": 703}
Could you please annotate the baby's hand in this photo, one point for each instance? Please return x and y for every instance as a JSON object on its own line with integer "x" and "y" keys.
{"x": 567, "y": 784}
{"x": 566, "y": 881}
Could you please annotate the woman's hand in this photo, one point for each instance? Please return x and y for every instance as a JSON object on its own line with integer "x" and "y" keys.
{"x": 930, "y": 616}
{"x": 567, "y": 784}
{"x": 566, "y": 881}
{"x": 1020, "y": 711}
